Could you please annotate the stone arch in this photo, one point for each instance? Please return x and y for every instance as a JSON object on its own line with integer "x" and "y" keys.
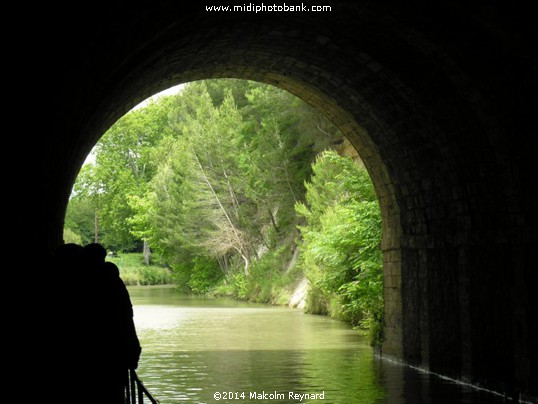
{"x": 415, "y": 98}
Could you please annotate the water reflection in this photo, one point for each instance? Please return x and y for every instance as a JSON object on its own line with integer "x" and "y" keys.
{"x": 194, "y": 348}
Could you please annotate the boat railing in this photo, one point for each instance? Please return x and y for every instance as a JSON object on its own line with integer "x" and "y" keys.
{"x": 135, "y": 391}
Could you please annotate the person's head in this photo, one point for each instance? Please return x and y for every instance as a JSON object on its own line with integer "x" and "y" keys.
{"x": 94, "y": 253}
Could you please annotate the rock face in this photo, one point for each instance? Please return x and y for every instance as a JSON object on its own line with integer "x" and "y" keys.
{"x": 298, "y": 298}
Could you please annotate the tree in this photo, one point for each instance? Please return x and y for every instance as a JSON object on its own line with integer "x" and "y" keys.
{"x": 122, "y": 170}
{"x": 208, "y": 177}
{"x": 210, "y": 195}
{"x": 341, "y": 249}
{"x": 80, "y": 217}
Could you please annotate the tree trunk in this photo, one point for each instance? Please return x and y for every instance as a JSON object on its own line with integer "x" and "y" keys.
{"x": 147, "y": 253}
{"x": 245, "y": 269}
{"x": 273, "y": 220}
{"x": 96, "y": 228}
{"x": 240, "y": 248}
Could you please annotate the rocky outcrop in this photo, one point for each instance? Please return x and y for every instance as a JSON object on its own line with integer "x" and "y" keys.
{"x": 298, "y": 297}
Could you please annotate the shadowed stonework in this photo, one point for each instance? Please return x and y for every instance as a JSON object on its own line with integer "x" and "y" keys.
{"x": 438, "y": 99}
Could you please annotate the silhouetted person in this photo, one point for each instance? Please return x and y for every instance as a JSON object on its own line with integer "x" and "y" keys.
{"x": 92, "y": 341}
{"x": 67, "y": 254}
{"x": 130, "y": 350}
{"x": 115, "y": 346}
{"x": 112, "y": 270}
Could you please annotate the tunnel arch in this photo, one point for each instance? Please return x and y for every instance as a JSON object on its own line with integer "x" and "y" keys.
{"x": 415, "y": 102}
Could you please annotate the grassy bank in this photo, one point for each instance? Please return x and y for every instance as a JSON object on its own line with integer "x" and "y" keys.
{"x": 133, "y": 271}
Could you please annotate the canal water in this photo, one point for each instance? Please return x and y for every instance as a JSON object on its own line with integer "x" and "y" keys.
{"x": 207, "y": 350}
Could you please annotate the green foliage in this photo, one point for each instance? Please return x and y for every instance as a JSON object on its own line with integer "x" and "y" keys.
{"x": 133, "y": 271}
{"x": 341, "y": 251}
{"x": 213, "y": 171}
{"x": 268, "y": 280}
{"x": 238, "y": 287}
{"x": 216, "y": 180}
{"x": 181, "y": 275}
{"x": 227, "y": 175}
{"x": 152, "y": 275}
{"x": 123, "y": 167}
{"x": 80, "y": 218}
{"x": 317, "y": 302}
{"x": 71, "y": 237}
{"x": 205, "y": 274}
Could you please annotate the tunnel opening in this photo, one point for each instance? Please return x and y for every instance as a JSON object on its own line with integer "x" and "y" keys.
{"x": 359, "y": 138}
{"x": 179, "y": 175}
{"x": 321, "y": 305}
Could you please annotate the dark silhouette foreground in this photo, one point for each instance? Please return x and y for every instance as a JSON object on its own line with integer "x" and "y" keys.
{"x": 93, "y": 312}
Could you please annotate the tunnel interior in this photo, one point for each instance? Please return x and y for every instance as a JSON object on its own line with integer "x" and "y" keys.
{"x": 437, "y": 99}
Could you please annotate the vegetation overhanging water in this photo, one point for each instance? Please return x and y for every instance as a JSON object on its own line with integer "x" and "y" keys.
{"x": 241, "y": 189}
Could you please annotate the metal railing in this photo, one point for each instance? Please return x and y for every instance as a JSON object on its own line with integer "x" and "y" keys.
{"x": 135, "y": 391}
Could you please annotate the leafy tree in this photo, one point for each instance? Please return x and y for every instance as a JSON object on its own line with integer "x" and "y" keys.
{"x": 122, "y": 170}
{"x": 80, "y": 218}
{"x": 341, "y": 251}
{"x": 284, "y": 136}
{"x": 210, "y": 180}
{"x": 228, "y": 177}
{"x": 205, "y": 273}
{"x": 199, "y": 184}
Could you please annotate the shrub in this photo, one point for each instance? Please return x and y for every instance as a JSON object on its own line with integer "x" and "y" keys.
{"x": 205, "y": 275}
{"x": 71, "y": 237}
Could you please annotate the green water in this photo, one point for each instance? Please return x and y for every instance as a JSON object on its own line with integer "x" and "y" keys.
{"x": 199, "y": 350}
